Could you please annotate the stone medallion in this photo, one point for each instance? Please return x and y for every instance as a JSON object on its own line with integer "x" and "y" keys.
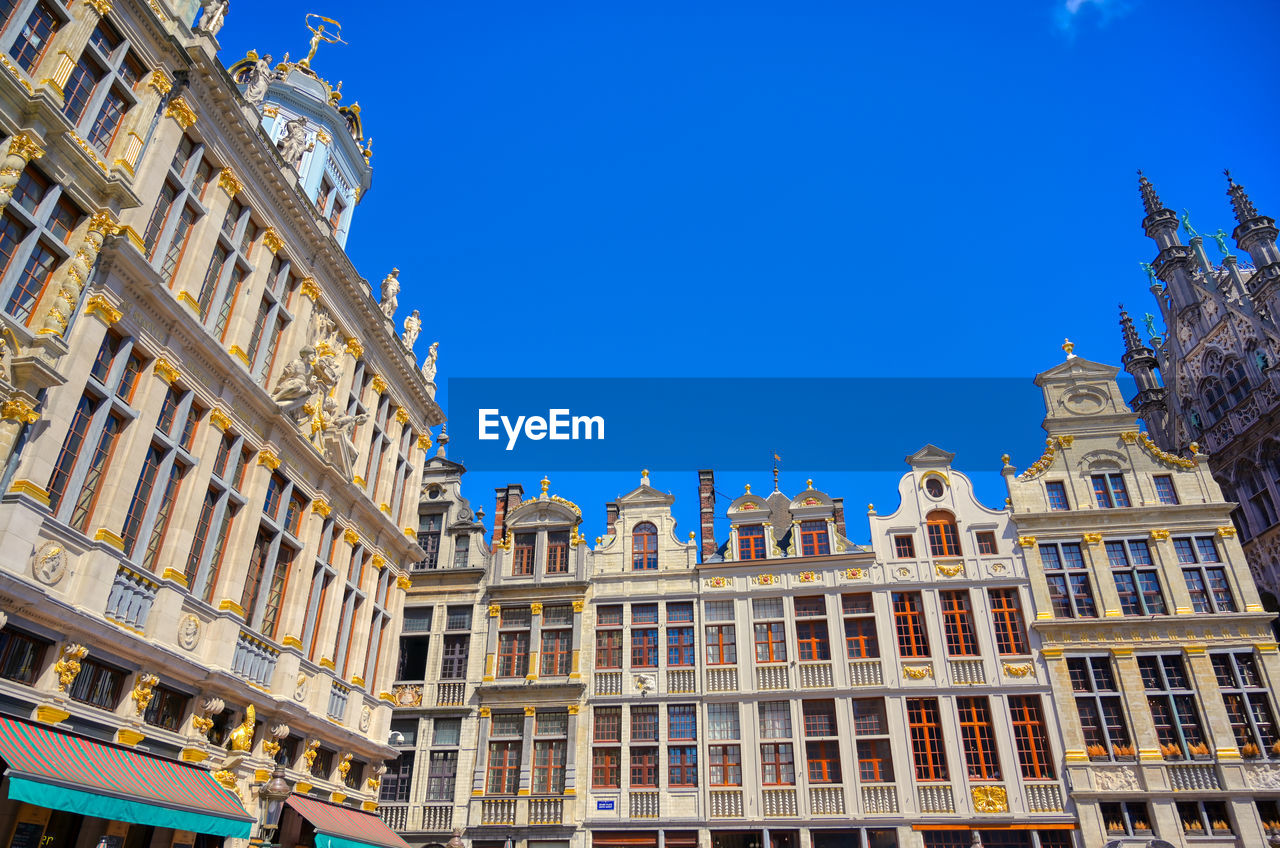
{"x": 49, "y": 563}
{"x": 188, "y": 631}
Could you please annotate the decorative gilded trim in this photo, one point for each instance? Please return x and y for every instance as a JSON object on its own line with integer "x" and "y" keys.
{"x": 378, "y": 384}
{"x": 573, "y": 709}
{"x": 268, "y": 457}
{"x": 326, "y": 662}
{"x": 403, "y": 582}
{"x": 180, "y": 112}
{"x": 424, "y": 441}
{"x": 1122, "y": 652}
{"x": 494, "y": 609}
{"x": 379, "y": 561}
{"x": 291, "y": 641}
{"x": 1193, "y": 650}
{"x": 765, "y": 580}
{"x": 108, "y": 537}
{"x": 535, "y": 608}
{"x": 1093, "y": 538}
{"x": 51, "y": 715}
{"x": 228, "y": 605}
{"x": 1226, "y": 532}
{"x": 1165, "y": 457}
{"x": 410, "y": 534}
{"x": 369, "y": 806}
{"x": 17, "y": 409}
{"x": 309, "y": 288}
{"x": 323, "y": 137}
{"x": 385, "y": 507}
{"x": 175, "y": 575}
{"x": 1159, "y": 534}
{"x": 31, "y": 490}
{"x": 272, "y": 240}
{"x": 229, "y": 183}
{"x": 193, "y": 755}
{"x": 1026, "y": 541}
{"x": 1266, "y": 647}
{"x": 530, "y": 711}
{"x": 990, "y": 799}
{"x": 948, "y": 570}
{"x": 160, "y": 82}
{"x": 320, "y": 506}
{"x": 386, "y": 696}
{"x": 1017, "y": 670}
{"x": 165, "y": 371}
{"x": 25, "y": 146}
{"x": 128, "y": 737}
{"x": 1065, "y": 441}
{"x": 1042, "y": 464}
{"x": 238, "y": 352}
{"x": 717, "y": 582}
{"x": 1130, "y": 437}
{"x": 100, "y": 306}
{"x": 918, "y": 672}
{"x": 578, "y": 604}
{"x": 187, "y": 298}
{"x": 68, "y": 665}
{"x": 855, "y": 573}
{"x": 358, "y": 480}
{"x": 485, "y": 712}
{"x": 102, "y": 7}
{"x": 351, "y": 536}
{"x": 354, "y": 347}
{"x": 807, "y": 577}
{"x": 219, "y": 419}
{"x": 1051, "y": 653}
{"x": 357, "y": 681}
{"x": 17, "y": 74}
{"x": 402, "y": 416}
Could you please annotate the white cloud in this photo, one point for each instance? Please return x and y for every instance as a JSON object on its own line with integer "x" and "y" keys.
{"x": 1101, "y": 11}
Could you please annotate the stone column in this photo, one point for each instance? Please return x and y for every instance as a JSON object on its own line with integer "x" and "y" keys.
{"x": 20, "y": 149}
{"x": 1221, "y": 739}
{"x": 576, "y": 641}
{"x": 491, "y": 642}
{"x": 535, "y": 640}
{"x": 571, "y": 753}
{"x": 482, "y": 753}
{"x": 62, "y": 296}
{"x": 526, "y": 754}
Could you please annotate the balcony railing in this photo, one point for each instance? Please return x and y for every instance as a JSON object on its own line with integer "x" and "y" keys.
{"x": 546, "y": 810}
{"x": 722, "y": 679}
{"x": 936, "y": 798}
{"x": 498, "y": 811}
{"x": 130, "y": 599}
{"x": 437, "y": 818}
{"x": 338, "y": 695}
{"x": 450, "y": 694}
{"x": 726, "y": 804}
{"x": 879, "y": 798}
{"x": 826, "y": 800}
{"x": 682, "y": 681}
{"x": 1044, "y": 797}
{"x": 865, "y": 673}
{"x": 1190, "y": 777}
{"x": 967, "y": 672}
{"x": 772, "y": 677}
{"x": 254, "y": 659}
{"x": 780, "y": 802}
{"x": 643, "y": 805}
{"x": 608, "y": 683}
{"x": 815, "y": 676}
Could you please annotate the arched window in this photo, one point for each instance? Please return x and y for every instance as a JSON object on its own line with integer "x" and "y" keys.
{"x": 1237, "y": 381}
{"x": 644, "y": 547}
{"x": 944, "y": 538}
{"x": 1215, "y": 399}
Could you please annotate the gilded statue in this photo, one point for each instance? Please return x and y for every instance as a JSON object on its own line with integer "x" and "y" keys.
{"x": 320, "y": 35}
{"x": 241, "y": 739}
{"x": 309, "y": 755}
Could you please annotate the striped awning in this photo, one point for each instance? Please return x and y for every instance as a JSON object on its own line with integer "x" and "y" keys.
{"x": 61, "y": 771}
{"x": 342, "y": 827}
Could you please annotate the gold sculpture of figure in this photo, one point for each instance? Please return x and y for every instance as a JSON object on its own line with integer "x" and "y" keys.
{"x": 344, "y": 767}
{"x": 320, "y": 34}
{"x": 242, "y": 737}
{"x": 309, "y": 755}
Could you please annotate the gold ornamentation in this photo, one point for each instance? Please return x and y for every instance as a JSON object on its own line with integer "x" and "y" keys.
{"x": 494, "y": 610}
{"x": 102, "y": 534}
{"x": 385, "y": 507}
{"x": 344, "y": 767}
{"x": 918, "y": 672}
{"x": 180, "y": 112}
{"x": 408, "y": 696}
{"x": 578, "y": 604}
{"x": 228, "y": 182}
{"x": 323, "y": 137}
{"x": 1042, "y": 464}
{"x": 309, "y": 755}
{"x": 1092, "y": 538}
{"x": 358, "y": 480}
{"x": 202, "y": 724}
{"x": 485, "y": 712}
{"x": 239, "y": 353}
{"x": 765, "y": 580}
{"x": 142, "y": 691}
{"x": 506, "y": 542}
{"x": 241, "y": 738}
{"x": 219, "y": 419}
{"x": 573, "y": 709}
{"x": 268, "y": 457}
{"x": 165, "y": 371}
{"x": 354, "y": 347}
{"x": 855, "y": 573}
{"x": 424, "y": 441}
{"x": 351, "y": 536}
{"x": 31, "y": 490}
{"x": 320, "y": 506}
{"x": 51, "y": 715}
{"x": 25, "y": 146}
{"x": 1026, "y": 541}
{"x": 1159, "y": 534}
{"x": 808, "y": 577}
{"x": 19, "y": 410}
{"x": 309, "y": 288}
{"x": 271, "y": 747}
{"x": 272, "y": 240}
{"x": 403, "y": 582}
{"x": 410, "y": 534}
{"x": 1165, "y": 457}
{"x": 128, "y": 737}
{"x": 1065, "y": 441}
{"x": 378, "y": 384}
{"x": 68, "y": 665}
{"x": 535, "y": 608}
{"x": 102, "y": 7}
{"x": 227, "y": 779}
{"x": 379, "y": 561}
{"x": 990, "y": 799}
{"x": 1226, "y": 532}
{"x": 948, "y": 570}
{"x": 1019, "y": 670}
{"x": 719, "y": 582}
{"x": 99, "y": 305}
{"x": 160, "y": 81}
{"x": 402, "y": 416}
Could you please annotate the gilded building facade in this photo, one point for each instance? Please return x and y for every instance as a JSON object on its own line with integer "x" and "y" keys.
{"x": 213, "y": 438}
{"x": 1161, "y": 658}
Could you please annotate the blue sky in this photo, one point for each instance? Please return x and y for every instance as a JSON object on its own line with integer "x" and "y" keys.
{"x": 815, "y": 188}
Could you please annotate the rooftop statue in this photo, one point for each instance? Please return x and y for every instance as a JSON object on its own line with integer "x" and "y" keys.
{"x": 259, "y": 79}
{"x": 390, "y": 288}
{"x": 412, "y": 326}
{"x": 1150, "y": 321}
{"x": 215, "y": 15}
{"x": 1221, "y": 238}
{"x": 320, "y": 35}
{"x": 1186, "y": 224}
{"x": 429, "y": 365}
{"x": 1151, "y": 272}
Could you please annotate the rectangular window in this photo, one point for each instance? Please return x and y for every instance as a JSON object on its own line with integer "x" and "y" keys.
{"x": 957, "y": 619}
{"x": 1057, "y": 495}
{"x": 548, "y": 766}
{"x": 1207, "y": 583}
{"x": 167, "y": 709}
{"x": 860, "y": 637}
{"x": 1130, "y": 818}
{"x": 97, "y": 684}
{"x": 1173, "y": 707}
{"x": 558, "y": 552}
{"x": 987, "y": 543}
{"x": 682, "y": 721}
{"x": 606, "y": 765}
{"x": 904, "y": 547}
{"x": 683, "y": 765}
{"x": 775, "y": 719}
{"x": 557, "y": 652}
{"x": 608, "y": 649}
{"x": 644, "y": 614}
{"x": 978, "y": 738}
{"x": 33, "y": 39}
{"x": 21, "y": 656}
{"x": 870, "y": 727}
{"x": 1101, "y": 710}
{"x": 1137, "y": 580}
{"x": 819, "y": 718}
{"x": 522, "y": 560}
{"x": 813, "y": 538}
{"x": 644, "y": 724}
{"x": 680, "y": 647}
{"x": 1109, "y": 491}
{"x": 1070, "y": 590}
{"x": 812, "y": 642}
{"x": 722, "y": 646}
{"x": 1165, "y": 493}
{"x": 909, "y": 624}
{"x": 644, "y": 768}
{"x": 1030, "y": 737}
{"x": 1248, "y": 703}
{"x": 926, "y": 739}
{"x": 1006, "y": 617}
{"x": 722, "y": 722}
{"x": 398, "y": 779}
{"x": 453, "y": 662}
{"x": 513, "y": 654}
{"x": 644, "y": 647}
{"x": 771, "y": 642}
{"x": 442, "y": 775}
{"x": 608, "y": 724}
{"x": 751, "y": 541}
{"x": 504, "y": 768}
{"x": 823, "y": 757}
{"x": 1204, "y": 818}
{"x": 609, "y": 616}
{"x": 778, "y": 764}
{"x": 724, "y": 765}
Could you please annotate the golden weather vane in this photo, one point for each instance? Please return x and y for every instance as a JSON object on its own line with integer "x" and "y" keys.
{"x": 319, "y": 34}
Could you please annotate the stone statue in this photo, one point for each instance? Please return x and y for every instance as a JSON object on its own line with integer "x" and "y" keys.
{"x": 412, "y": 326}
{"x": 429, "y": 364}
{"x": 390, "y": 288}
{"x": 6, "y": 356}
{"x": 294, "y": 382}
{"x": 293, "y": 144}
{"x": 259, "y": 78}
{"x": 456, "y": 841}
{"x": 1150, "y": 321}
{"x": 1186, "y": 224}
{"x": 1221, "y": 238}
{"x": 1151, "y": 272}
{"x": 241, "y": 738}
{"x": 215, "y": 13}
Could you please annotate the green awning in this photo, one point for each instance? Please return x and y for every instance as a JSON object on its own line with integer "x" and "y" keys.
{"x": 61, "y": 771}
{"x": 342, "y": 827}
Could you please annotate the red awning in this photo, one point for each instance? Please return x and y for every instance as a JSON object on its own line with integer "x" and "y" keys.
{"x": 345, "y": 823}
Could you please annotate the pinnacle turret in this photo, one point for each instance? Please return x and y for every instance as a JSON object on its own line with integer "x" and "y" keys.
{"x": 1132, "y": 341}
{"x": 1240, "y": 202}
{"x": 1150, "y": 200}
{"x": 1257, "y": 234}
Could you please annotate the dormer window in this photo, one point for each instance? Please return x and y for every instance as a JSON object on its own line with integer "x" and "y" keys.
{"x": 644, "y": 547}
{"x": 1056, "y": 491}
{"x": 522, "y": 562}
{"x": 944, "y": 538}
{"x": 813, "y": 538}
{"x": 558, "y": 552}
{"x": 1109, "y": 491}
{"x": 461, "y": 550}
{"x": 751, "y": 541}
{"x": 904, "y": 547}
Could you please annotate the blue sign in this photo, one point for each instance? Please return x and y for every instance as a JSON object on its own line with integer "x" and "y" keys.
{"x": 604, "y": 805}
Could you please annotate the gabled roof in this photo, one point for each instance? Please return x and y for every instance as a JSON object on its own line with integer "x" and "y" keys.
{"x": 930, "y": 455}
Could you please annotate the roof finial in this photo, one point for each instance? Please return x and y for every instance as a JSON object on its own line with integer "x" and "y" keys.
{"x": 1131, "y": 339}
{"x": 808, "y": 484}
{"x": 1150, "y": 200}
{"x": 546, "y": 484}
{"x": 748, "y": 488}
{"x": 1068, "y": 347}
{"x": 644, "y": 477}
{"x": 1240, "y": 202}
{"x": 776, "y": 460}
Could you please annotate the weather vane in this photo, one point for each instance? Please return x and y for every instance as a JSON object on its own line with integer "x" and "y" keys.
{"x": 319, "y": 34}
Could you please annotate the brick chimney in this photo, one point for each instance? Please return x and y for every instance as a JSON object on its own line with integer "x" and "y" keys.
{"x": 610, "y": 519}
{"x": 506, "y": 498}
{"x": 838, "y": 514}
{"x": 707, "y": 511}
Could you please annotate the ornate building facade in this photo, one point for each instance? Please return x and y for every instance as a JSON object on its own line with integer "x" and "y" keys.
{"x": 1218, "y": 384}
{"x": 213, "y": 439}
{"x": 1161, "y": 658}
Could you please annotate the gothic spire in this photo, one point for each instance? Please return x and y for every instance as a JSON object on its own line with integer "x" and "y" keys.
{"x": 1150, "y": 200}
{"x": 1132, "y": 341}
{"x": 1240, "y": 202}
